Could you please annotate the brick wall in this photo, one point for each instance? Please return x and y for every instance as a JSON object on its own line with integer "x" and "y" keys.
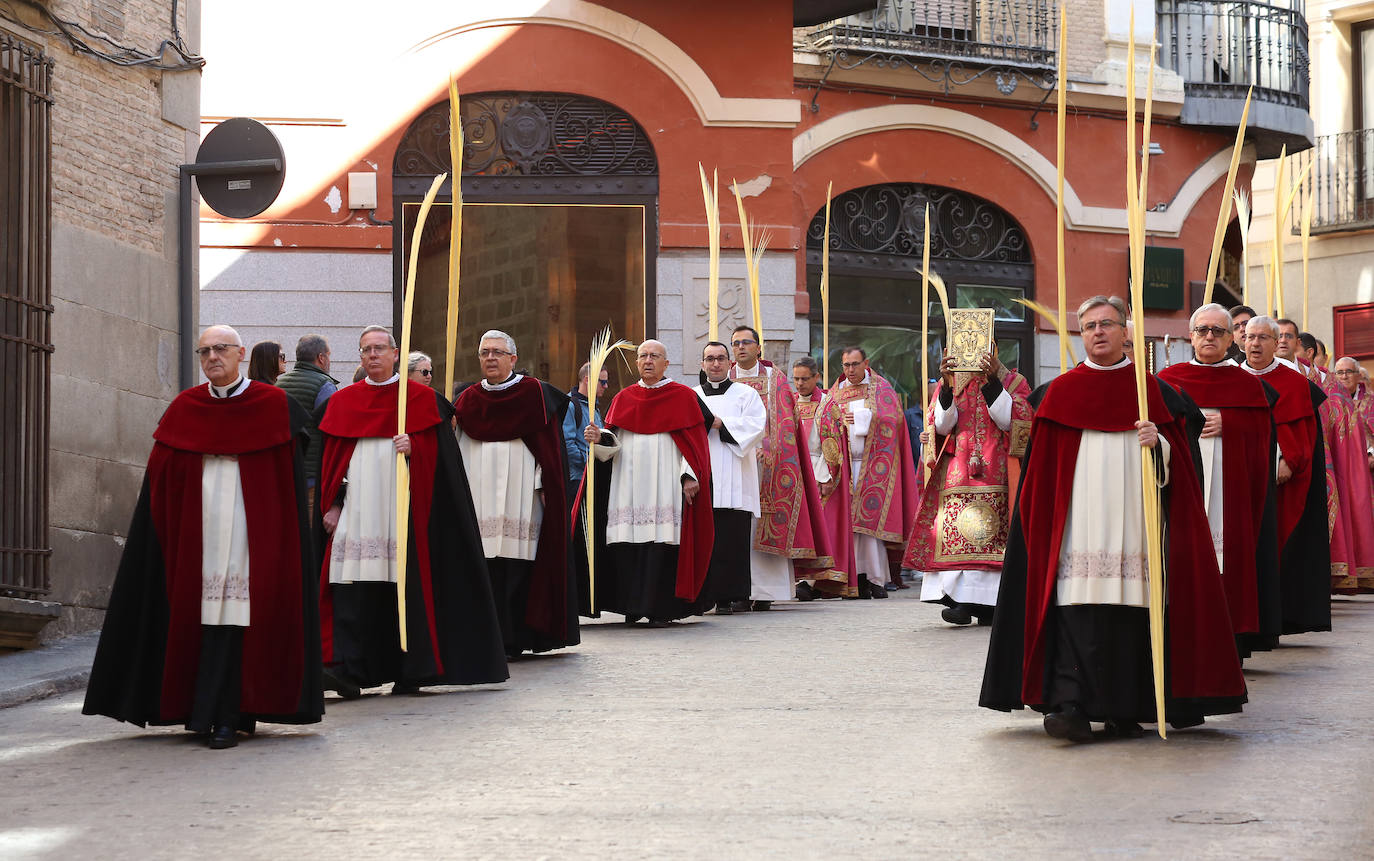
{"x": 1087, "y": 28}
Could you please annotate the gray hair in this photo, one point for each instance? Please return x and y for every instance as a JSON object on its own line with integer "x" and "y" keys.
{"x": 1099, "y": 301}
{"x": 498, "y": 335}
{"x": 311, "y": 347}
{"x": 1349, "y": 359}
{"x": 584, "y": 371}
{"x": 662, "y": 346}
{"x": 390, "y": 341}
{"x": 1266, "y": 322}
{"x": 1211, "y": 308}
{"x": 416, "y": 358}
{"x": 238, "y": 341}
{"x": 808, "y": 363}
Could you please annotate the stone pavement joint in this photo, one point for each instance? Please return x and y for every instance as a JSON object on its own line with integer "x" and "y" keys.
{"x": 52, "y": 669}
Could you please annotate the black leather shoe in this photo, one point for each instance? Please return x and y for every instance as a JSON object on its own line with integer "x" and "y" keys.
{"x": 877, "y": 591}
{"x": 1070, "y": 724}
{"x": 403, "y": 688}
{"x": 742, "y": 606}
{"x": 1123, "y": 729}
{"x": 336, "y": 680}
{"x": 806, "y": 592}
{"x": 763, "y": 605}
{"x": 724, "y": 610}
{"x": 956, "y": 615}
{"x": 224, "y": 737}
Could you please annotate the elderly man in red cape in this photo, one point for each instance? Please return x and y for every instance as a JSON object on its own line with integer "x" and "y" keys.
{"x": 213, "y": 621}
{"x": 882, "y": 476}
{"x": 791, "y": 527}
{"x": 1303, "y": 536}
{"x": 510, "y": 431}
{"x": 820, "y": 421}
{"x": 961, "y": 527}
{"x": 652, "y": 519}
{"x": 453, "y": 637}
{"x": 1070, "y": 637}
{"x": 1236, "y": 447}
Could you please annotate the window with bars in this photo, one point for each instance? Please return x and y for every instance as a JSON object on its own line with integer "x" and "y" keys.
{"x": 25, "y": 316}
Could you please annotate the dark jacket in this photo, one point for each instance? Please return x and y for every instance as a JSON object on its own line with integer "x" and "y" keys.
{"x": 305, "y": 383}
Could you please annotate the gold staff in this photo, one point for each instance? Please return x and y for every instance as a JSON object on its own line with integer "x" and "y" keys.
{"x": 402, "y": 392}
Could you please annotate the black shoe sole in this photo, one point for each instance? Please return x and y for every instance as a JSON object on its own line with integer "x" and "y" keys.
{"x": 1058, "y": 726}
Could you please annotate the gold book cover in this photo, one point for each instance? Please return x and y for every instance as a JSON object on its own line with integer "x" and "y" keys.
{"x": 970, "y": 337}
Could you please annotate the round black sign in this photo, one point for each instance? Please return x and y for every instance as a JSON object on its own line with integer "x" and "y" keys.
{"x": 245, "y": 193}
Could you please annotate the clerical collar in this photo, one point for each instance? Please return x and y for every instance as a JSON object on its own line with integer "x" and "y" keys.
{"x": 1262, "y": 371}
{"x": 1125, "y": 360}
{"x": 844, "y": 381}
{"x": 388, "y": 381}
{"x": 1224, "y": 363}
{"x": 1288, "y": 362}
{"x": 237, "y": 387}
{"x": 756, "y": 371}
{"x": 658, "y": 385}
{"x": 710, "y": 388}
{"x": 509, "y": 381}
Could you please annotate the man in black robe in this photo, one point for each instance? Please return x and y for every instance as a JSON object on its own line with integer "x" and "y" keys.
{"x": 452, "y": 635}
{"x": 213, "y": 621}
{"x": 510, "y": 434}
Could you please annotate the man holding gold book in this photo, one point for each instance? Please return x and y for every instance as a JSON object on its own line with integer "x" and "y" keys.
{"x": 1071, "y": 635}
{"x": 980, "y": 420}
{"x": 883, "y": 478}
{"x": 789, "y": 527}
{"x": 1303, "y": 536}
{"x": 1236, "y": 446}
{"x": 450, "y": 623}
{"x": 653, "y": 526}
{"x": 510, "y": 434}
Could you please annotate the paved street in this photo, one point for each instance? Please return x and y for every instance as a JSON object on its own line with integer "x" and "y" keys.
{"x": 823, "y": 730}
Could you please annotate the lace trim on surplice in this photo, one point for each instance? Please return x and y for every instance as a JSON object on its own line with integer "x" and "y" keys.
{"x": 643, "y": 515}
{"x": 360, "y": 549}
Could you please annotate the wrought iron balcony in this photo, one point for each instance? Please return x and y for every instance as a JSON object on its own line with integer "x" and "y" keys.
{"x": 1223, "y": 47}
{"x": 950, "y": 42}
{"x": 1341, "y": 186}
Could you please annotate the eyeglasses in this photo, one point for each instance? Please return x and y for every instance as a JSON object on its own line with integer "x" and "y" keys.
{"x": 603, "y": 383}
{"x": 375, "y": 350}
{"x": 1259, "y": 337}
{"x": 743, "y": 342}
{"x": 218, "y": 349}
{"x": 650, "y": 356}
{"x": 848, "y": 365}
{"x": 493, "y": 354}
{"x": 715, "y": 358}
{"x": 1214, "y": 331}
{"x": 1347, "y": 373}
{"x": 1104, "y": 325}
{"x": 425, "y": 373}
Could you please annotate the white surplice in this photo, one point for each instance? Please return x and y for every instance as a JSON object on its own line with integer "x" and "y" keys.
{"x": 223, "y": 533}
{"x": 735, "y": 465}
{"x": 1213, "y": 476}
{"x": 364, "y": 547}
{"x": 505, "y": 481}
{"x": 646, "y": 485}
{"x": 1102, "y": 556}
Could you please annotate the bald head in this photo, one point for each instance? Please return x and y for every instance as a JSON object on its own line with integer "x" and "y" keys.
{"x": 220, "y": 350}
{"x": 652, "y": 359}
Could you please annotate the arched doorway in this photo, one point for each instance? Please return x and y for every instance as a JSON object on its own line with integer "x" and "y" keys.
{"x": 560, "y": 228}
{"x": 876, "y": 236}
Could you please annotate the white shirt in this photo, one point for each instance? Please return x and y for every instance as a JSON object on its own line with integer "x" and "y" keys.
{"x": 734, "y": 466}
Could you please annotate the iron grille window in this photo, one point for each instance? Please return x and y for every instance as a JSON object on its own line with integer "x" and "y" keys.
{"x": 25, "y": 316}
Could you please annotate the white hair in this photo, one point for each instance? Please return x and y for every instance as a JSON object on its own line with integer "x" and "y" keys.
{"x": 1265, "y": 322}
{"x": 498, "y": 335}
{"x": 238, "y": 342}
{"x": 1350, "y": 360}
{"x": 662, "y": 346}
{"x": 390, "y": 341}
{"x": 416, "y": 358}
{"x": 1210, "y": 308}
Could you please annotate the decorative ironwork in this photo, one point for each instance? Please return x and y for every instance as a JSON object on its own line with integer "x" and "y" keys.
{"x": 1341, "y": 186}
{"x": 949, "y": 42}
{"x": 25, "y": 316}
{"x": 1221, "y": 48}
{"x": 510, "y": 134}
{"x": 890, "y": 220}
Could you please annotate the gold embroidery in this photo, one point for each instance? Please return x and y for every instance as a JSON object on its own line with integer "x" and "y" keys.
{"x": 1020, "y": 436}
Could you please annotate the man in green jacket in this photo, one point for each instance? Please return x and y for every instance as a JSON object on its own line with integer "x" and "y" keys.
{"x": 311, "y": 386}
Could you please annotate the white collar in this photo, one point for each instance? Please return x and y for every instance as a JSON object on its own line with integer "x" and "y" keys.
{"x": 1224, "y": 363}
{"x": 387, "y": 382}
{"x": 1125, "y": 360}
{"x": 658, "y": 385}
{"x": 844, "y": 381}
{"x": 232, "y": 390}
{"x": 1289, "y": 362}
{"x": 1262, "y": 371}
{"x": 759, "y": 370}
{"x": 514, "y": 378}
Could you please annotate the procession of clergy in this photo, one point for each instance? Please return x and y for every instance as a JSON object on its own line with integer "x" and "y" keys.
{"x": 247, "y": 590}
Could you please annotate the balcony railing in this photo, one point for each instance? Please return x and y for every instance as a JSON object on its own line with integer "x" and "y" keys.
{"x": 962, "y": 39}
{"x": 1341, "y": 186}
{"x": 1221, "y": 48}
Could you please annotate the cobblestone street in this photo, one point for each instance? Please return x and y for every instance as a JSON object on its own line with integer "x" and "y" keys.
{"x": 822, "y": 730}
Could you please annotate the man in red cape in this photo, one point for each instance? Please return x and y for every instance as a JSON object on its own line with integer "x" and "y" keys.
{"x": 883, "y": 477}
{"x": 213, "y": 620}
{"x": 791, "y": 526}
{"x": 1303, "y": 536}
{"x": 820, "y": 421}
{"x": 510, "y": 431}
{"x": 980, "y": 421}
{"x": 652, "y": 524}
{"x": 1070, "y": 636}
{"x": 1236, "y": 446}
{"x": 453, "y": 637}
